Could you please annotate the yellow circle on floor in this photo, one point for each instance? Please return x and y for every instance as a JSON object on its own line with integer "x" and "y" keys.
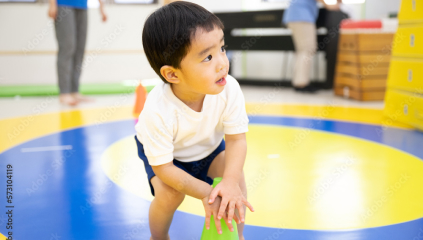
{"x": 305, "y": 179}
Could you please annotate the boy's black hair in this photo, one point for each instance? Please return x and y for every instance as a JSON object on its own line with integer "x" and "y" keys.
{"x": 168, "y": 31}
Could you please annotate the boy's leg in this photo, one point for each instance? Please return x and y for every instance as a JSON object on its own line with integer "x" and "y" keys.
{"x": 216, "y": 169}
{"x": 162, "y": 208}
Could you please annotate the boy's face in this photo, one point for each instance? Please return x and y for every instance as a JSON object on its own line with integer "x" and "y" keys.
{"x": 204, "y": 69}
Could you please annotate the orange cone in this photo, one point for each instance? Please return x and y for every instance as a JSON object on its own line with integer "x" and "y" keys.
{"x": 140, "y": 97}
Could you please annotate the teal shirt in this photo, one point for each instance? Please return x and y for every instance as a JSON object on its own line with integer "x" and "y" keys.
{"x": 301, "y": 11}
{"x": 74, "y": 3}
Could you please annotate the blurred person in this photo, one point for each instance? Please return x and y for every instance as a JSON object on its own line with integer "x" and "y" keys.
{"x": 301, "y": 17}
{"x": 70, "y": 21}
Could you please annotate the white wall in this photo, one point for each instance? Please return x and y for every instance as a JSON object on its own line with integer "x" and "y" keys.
{"x": 376, "y": 9}
{"x": 114, "y": 49}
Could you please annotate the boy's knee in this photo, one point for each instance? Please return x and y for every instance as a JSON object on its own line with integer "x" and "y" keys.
{"x": 168, "y": 196}
{"x": 170, "y": 200}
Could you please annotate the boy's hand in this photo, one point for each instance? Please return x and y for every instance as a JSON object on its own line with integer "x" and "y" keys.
{"x": 232, "y": 198}
{"x": 212, "y": 209}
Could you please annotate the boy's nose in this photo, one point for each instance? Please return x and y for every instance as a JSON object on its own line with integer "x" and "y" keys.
{"x": 223, "y": 64}
{"x": 222, "y": 68}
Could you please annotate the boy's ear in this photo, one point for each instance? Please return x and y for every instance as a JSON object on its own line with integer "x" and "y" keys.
{"x": 169, "y": 73}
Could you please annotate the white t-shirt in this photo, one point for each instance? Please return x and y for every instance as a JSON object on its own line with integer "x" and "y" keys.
{"x": 169, "y": 129}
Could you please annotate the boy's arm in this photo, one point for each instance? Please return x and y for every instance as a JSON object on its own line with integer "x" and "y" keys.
{"x": 182, "y": 181}
{"x": 235, "y": 153}
{"x": 228, "y": 188}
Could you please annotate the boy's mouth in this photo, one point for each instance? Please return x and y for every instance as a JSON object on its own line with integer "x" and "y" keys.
{"x": 221, "y": 81}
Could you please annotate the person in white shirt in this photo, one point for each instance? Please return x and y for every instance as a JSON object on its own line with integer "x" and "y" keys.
{"x": 181, "y": 128}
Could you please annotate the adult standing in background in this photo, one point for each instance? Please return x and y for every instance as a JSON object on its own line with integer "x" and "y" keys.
{"x": 70, "y": 21}
{"x": 301, "y": 17}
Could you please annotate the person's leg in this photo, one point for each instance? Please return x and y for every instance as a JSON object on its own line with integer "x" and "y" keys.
{"x": 81, "y": 20}
{"x": 166, "y": 200}
{"x": 65, "y": 33}
{"x": 305, "y": 41}
{"x": 162, "y": 208}
{"x": 216, "y": 169}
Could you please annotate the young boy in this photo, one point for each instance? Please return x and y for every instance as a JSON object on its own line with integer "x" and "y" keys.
{"x": 180, "y": 130}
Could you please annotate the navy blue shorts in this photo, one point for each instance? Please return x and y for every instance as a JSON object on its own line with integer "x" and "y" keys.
{"x": 197, "y": 169}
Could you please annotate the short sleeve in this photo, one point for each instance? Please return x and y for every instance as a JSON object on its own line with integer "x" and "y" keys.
{"x": 156, "y": 136}
{"x": 235, "y": 119}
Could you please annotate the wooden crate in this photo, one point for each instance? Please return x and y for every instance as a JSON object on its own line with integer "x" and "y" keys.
{"x": 363, "y": 70}
{"x": 371, "y": 95}
{"x": 366, "y": 42}
{"x": 369, "y": 58}
{"x": 363, "y": 65}
{"x": 363, "y": 84}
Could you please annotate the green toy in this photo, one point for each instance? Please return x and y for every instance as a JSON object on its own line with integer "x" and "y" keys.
{"x": 212, "y": 233}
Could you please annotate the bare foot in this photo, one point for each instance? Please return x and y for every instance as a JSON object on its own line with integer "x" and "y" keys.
{"x": 81, "y": 98}
{"x": 68, "y": 99}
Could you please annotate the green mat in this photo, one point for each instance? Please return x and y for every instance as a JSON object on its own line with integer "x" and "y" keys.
{"x": 46, "y": 90}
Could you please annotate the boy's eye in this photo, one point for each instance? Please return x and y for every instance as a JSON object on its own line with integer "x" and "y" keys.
{"x": 208, "y": 58}
{"x": 224, "y": 48}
